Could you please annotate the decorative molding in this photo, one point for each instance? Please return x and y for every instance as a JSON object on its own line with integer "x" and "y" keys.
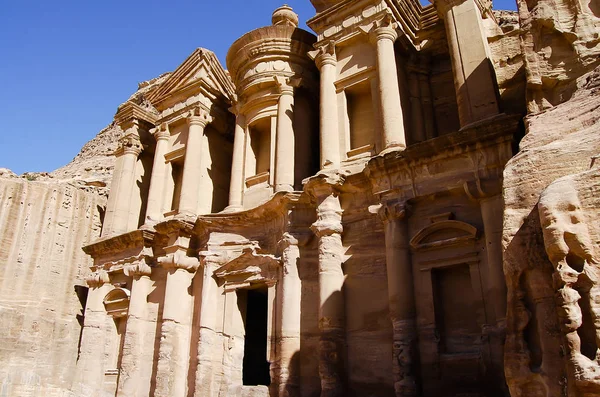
{"x": 248, "y": 269}
{"x": 97, "y": 279}
{"x": 116, "y": 302}
{"x": 393, "y": 210}
{"x": 459, "y": 233}
{"x": 129, "y": 144}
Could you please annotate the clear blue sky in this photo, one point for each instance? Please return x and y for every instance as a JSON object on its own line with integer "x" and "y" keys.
{"x": 65, "y": 65}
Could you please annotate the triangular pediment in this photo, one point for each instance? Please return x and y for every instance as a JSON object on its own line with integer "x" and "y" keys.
{"x": 200, "y": 69}
{"x": 248, "y": 268}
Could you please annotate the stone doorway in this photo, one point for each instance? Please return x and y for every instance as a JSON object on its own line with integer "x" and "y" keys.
{"x": 256, "y": 368}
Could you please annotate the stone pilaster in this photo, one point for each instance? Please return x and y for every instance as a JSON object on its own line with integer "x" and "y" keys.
{"x": 192, "y": 166}
{"x": 474, "y": 76}
{"x": 328, "y": 229}
{"x": 287, "y": 367}
{"x": 123, "y": 181}
{"x": 173, "y": 354}
{"x": 137, "y": 356}
{"x": 389, "y": 92}
{"x": 401, "y": 298}
{"x": 209, "y": 339}
{"x": 155, "y": 210}
{"x": 90, "y": 371}
{"x": 488, "y": 193}
{"x": 328, "y": 124}
{"x": 236, "y": 187}
{"x": 285, "y": 141}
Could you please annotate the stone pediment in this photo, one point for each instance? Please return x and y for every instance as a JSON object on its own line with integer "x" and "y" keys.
{"x": 443, "y": 234}
{"x": 200, "y": 69}
{"x": 247, "y": 269}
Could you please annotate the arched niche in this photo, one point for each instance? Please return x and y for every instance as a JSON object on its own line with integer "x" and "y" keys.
{"x": 116, "y": 302}
{"x": 444, "y": 234}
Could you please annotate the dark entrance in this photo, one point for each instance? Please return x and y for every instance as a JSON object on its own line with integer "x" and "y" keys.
{"x": 256, "y": 366}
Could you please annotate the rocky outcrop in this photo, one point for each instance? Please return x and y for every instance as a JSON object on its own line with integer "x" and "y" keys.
{"x": 42, "y": 228}
{"x": 507, "y": 58}
{"x": 45, "y": 219}
{"x": 551, "y": 240}
{"x": 560, "y": 42}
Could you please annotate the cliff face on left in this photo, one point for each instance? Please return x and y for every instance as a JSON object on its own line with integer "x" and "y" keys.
{"x": 43, "y": 225}
{"x": 45, "y": 219}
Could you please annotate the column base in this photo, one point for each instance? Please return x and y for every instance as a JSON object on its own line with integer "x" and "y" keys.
{"x": 232, "y": 208}
{"x": 393, "y": 148}
{"x": 284, "y": 188}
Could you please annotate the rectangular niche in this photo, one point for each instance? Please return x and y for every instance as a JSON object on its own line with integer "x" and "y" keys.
{"x": 177, "y": 176}
{"x": 456, "y": 306}
{"x": 361, "y": 118}
{"x": 258, "y": 152}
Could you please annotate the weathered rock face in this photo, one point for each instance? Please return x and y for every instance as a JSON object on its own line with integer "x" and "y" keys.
{"x": 505, "y": 48}
{"x": 42, "y": 228}
{"x": 560, "y": 43}
{"x": 551, "y": 242}
{"x": 45, "y": 219}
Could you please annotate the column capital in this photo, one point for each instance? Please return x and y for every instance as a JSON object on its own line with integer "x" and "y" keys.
{"x": 199, "y": 116}
{"x": 385, "y": 29}
{"x": 129, "y": 144}
{"x": 161, "y": 132}
{"x": 137, "y": 269}
{"x": 285, "y": 85}
{"x": 385, "y": 33}
{"x": 97, "y": 279}
{"x": 482, "y": 189}
{"x": 298, "y": 239}
{"x": 176, "y": 258}
{"x": 237, "y": 106}
{"x": 324, "y": 55}
{"x": 392, "y": 210}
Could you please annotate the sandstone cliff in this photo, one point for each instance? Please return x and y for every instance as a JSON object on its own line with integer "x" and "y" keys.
{"x": 42, "y": 228}
{"x": 45, "y": 219}
{"x": 551, "y": 240}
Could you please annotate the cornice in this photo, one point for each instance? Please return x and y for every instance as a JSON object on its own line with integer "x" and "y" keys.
{"x": 116, "y": 244}
{"x": 130, "y": 114}
{"x": 276, "y": 207}
{"x": 400, "y": 170}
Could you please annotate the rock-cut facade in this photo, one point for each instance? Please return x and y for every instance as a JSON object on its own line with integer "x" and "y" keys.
{"x": 328, "y": 216}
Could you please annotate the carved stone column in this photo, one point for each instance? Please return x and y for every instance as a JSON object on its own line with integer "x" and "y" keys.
{"x": 330, "y": 139}
{"x": 287, "y": 368}
{"x": 173, "y": 354}
{"x": 192, "y": 166}
{"x": 137, "y": 357}
{"x": 209, "y": 341}
{"x": 154, "y": 210}
{"x": 401, "y": 298}
{"x": 285, "y": 144}
{"x": 328, "y": 229}
{"x": 123, "y": 181}
{"x": 389, "y": 92}
{"x": 474, "y": 76}
{"x": 90, "y": 372}
{"x": 236, "y": 187}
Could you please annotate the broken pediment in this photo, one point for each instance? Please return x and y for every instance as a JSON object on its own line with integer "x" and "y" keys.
{"x": 247, "y": 269}
{"x": 443, "y": 234}
{"x": 200, "y": 69}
